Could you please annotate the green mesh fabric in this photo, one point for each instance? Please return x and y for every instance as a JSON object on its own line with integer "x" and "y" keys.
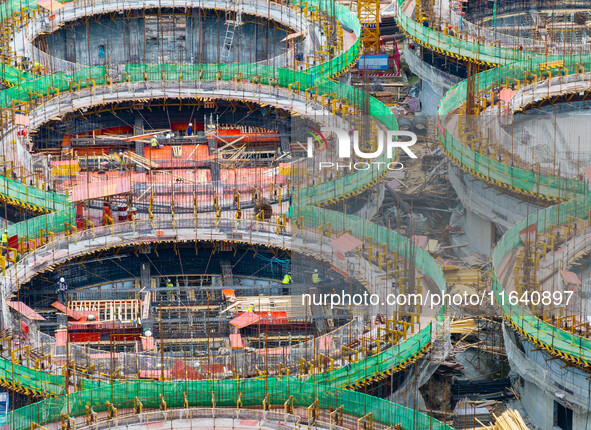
{"x": 54, "y": 222}
{"x": 31, "y": 195}
{"x": 29, "y": 86}
{"x": 225, "y": 393}
{"x": 376, "y": 365}
{"x": 483, "y": 52}
{"x": 42, "y": 382}
{"x": 516, "y": 64}
{"x": 498, "y": 172}
{"x": 576, "y": 347}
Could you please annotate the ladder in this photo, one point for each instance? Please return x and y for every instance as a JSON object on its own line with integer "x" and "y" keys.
{"x": 232, "y": 24}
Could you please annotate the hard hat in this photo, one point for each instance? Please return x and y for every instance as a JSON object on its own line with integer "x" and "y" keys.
{"x": 315, "y": 270}
{"x": 168, "y": 280}
{"x": 190, "y": 123}
{"x": 62, "y": 279}
{"x": 148, "y": 333}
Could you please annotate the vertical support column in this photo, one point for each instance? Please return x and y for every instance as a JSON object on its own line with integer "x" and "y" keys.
{"x": 138, "y": 129}
{"x": 146, "y": 282}
{"x": 215, "y": 167}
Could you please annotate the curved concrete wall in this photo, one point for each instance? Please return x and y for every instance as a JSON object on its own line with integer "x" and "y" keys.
{"x": 24, "y": 37}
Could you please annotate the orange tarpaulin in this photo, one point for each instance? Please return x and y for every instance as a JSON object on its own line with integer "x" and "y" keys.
{"x": 182, "y": 371}
{"x": 345, "y": 243}
{"x": 236, "y": 341}
{"x": 97, "y": 190}
{"x": 154, "y": 374}
{"x": 25, "y": 311}
{"x": 528, "y": 234}
{"x": 228, "y": 293}
{"x": 246, "y": 319}
{"x": 50, "y": 5}
{"x": 324, "y": 343}
{"x": 69, "y": 312}
{"x": 147, "y": 343}
{"x": 506, "y": 94}
{"x": 570, "y": 277}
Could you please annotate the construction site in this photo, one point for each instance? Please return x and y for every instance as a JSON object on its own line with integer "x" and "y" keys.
{"x": 320, "y": 214}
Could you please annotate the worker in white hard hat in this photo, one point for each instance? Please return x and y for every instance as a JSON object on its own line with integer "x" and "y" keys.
{"x": 315, "y": 277}
{"x": 62, "y": 287}
{"x": 170, "y": 287}
{"x": 190, "y": 129}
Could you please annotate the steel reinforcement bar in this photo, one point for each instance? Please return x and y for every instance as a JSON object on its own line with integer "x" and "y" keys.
{"x": 27, "y": 87}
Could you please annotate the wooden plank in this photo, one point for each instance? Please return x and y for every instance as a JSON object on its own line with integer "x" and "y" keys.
{"x": 72, "y": 314}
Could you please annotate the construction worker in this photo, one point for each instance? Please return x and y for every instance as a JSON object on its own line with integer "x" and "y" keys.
{"x": 170, "y": 286}
{"x": 315, "y": 277}
{"x": 250, "y": 308}
{"x": 121, "y": 161}
{"x": 38, "y": 68}
{"x": 190, "y": 129}
{"x": 154, "y": 143}
{"x": 287, "y": 279}
{"x": 5, "y": 242}
{"x": 62, "y": 287}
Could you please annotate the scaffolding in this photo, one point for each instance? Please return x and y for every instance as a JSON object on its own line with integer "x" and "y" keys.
{"x": 368, "y": 13}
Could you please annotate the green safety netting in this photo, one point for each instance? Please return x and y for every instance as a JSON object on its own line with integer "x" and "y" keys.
{"x": 225, "y": 394}
{"x": 41, "y": 85}
{"x": 516, "y": 65}
{"x": 29, "y": 86}
{"x": 32, "y": 195}
{"x": 576, "y": 347}
{"x": 486, "y": 53}
{"x": 377, "y": 365}
{"x": 51, "y": 384}
{"x": 10, "y": 8}
{"x": 13, "y": 76}
{"x": 359, "y": 227}
{"x": 54, "y": 222}
{"x": 37, "y": 380}
{"x": 530, "y": 181}
{"x": 312, "y": 79}
{"x": 205, "y": 72}
{"x": 346, "y": 18}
